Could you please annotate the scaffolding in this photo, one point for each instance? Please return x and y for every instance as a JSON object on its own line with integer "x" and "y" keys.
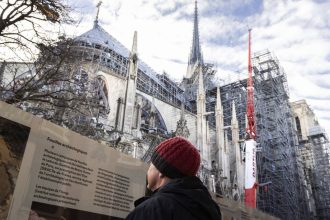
{"x": 316, "y": 160}
{"x": 106, "y": 53}
{"x": 277, "y": 159}
{"x": 236, "y": 92}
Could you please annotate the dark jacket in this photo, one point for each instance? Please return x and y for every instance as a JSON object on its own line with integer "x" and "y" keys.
{"x": 182, "y": 199}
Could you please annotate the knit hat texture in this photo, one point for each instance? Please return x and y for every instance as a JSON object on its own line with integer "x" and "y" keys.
{"x": 176, "y": 158}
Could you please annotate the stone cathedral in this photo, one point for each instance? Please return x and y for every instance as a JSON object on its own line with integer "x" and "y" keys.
{"x": 143, "y": 107}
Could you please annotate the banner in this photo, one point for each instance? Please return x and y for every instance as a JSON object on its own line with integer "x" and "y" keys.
{"x": 58, "y": 174}
{"x": 250, "y": 164}
{"x": 250, "y": 173}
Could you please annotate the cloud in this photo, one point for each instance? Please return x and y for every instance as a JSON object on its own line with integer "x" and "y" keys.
{"x": 236, "y": 9}
{"x": 169, "y": 7}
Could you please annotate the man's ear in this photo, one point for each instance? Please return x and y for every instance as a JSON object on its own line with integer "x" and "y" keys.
{"x": 161, "y": 175}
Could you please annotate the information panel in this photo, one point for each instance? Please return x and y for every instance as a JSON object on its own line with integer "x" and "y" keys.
{"x": 49, "y": 172}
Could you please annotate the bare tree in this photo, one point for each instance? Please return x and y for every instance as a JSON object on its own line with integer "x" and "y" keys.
{"x": 52, "y": 84}
{"x": 55, "y": 87}
{"x": 25, "y": 23}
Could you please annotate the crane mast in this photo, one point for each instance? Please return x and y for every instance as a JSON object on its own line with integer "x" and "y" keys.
{"x": 251, "y": 130}
{"x": 250, "y": 142}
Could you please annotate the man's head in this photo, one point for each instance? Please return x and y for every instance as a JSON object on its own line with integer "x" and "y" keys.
{"x": 173, "y": 158}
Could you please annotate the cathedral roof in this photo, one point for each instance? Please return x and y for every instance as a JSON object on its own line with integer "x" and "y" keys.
{"x": 97, "y": 35}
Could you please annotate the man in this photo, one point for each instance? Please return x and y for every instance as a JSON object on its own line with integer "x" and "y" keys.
{"x": 177, "y": 193}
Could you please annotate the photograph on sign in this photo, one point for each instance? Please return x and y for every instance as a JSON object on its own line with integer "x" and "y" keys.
{"x": 13, "y": 139}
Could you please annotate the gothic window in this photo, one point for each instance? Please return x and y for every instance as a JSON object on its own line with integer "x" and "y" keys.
{"x": 298, "y": 126}
{"x": 151, "y": 119}
{"x": 102, "y": 95}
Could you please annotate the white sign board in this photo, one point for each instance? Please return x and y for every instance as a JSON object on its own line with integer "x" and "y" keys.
{"x": 63, "y": 175}
{"x": 250, "y": 164}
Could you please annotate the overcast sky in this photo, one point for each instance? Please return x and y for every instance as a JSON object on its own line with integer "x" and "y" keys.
{"x": 297, "y": 32}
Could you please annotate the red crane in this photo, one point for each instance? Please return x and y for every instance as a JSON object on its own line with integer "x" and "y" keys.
{"x": 250, "y": 142}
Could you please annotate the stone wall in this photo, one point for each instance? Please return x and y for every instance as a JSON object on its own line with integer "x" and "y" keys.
{"x": 171, "y": 116}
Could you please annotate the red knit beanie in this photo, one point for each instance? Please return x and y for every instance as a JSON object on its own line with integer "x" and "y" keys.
{"x": 176, "y": 158}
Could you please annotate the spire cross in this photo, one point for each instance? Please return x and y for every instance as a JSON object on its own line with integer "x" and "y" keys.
{"x": 98, "y": 10}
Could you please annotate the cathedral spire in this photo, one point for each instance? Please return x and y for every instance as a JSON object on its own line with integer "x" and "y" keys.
{"x": 218, "y": 101}
{"x": 130, "y": 92}
{"x": 182, "y": 112}
{"x": 195, "y": 56}
{"x": 234, "y": 121}
{"x": 134, "y": 46}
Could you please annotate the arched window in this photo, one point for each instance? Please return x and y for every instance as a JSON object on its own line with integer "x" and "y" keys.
{"x": 298, "y": 127}
{"x": 102, "y": 95}
{"x": 151, "y": 119}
